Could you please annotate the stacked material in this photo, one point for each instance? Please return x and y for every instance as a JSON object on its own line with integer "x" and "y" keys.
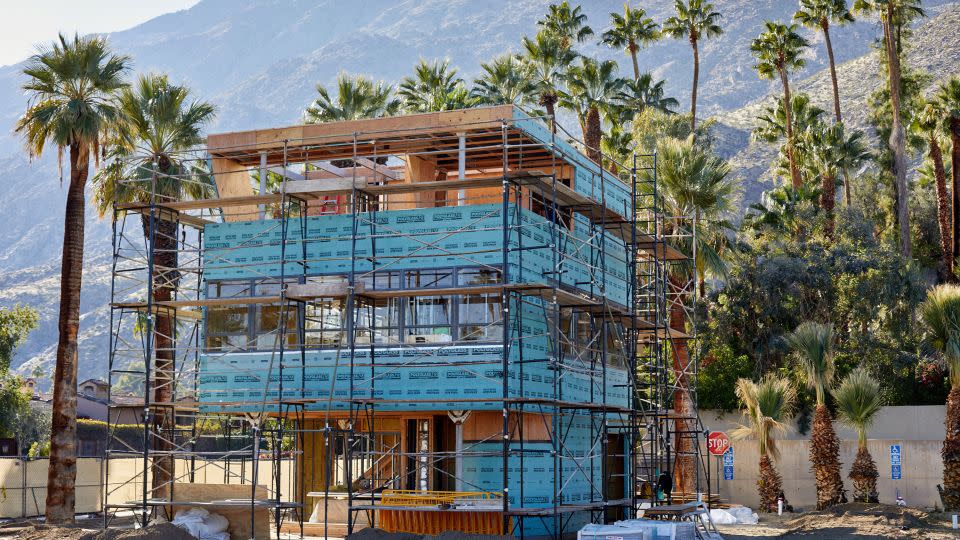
{"x": 640, "y": 529}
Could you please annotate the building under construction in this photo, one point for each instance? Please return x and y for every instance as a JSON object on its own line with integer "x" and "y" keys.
{"x": 444, "y": 321}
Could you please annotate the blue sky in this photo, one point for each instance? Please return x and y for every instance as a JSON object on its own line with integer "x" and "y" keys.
{"x": 24, "y": 24}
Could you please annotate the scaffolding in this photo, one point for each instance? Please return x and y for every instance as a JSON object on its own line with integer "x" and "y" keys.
{"x": 385, "y": 275}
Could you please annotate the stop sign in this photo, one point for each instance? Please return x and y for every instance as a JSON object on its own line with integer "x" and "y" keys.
{"x": 717, "y": 443}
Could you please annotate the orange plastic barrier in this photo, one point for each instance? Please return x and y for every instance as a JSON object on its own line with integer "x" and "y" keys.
{"x": 439, "y": 519}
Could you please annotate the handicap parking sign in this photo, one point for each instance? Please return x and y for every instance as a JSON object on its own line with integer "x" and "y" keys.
{"x": 896, "y": 472}
{"x": 728, "y": 464}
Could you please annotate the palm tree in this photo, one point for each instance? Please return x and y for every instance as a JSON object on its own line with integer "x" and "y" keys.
{"x": 694, "y": 184}
{"x": 778, "y": 50}
{"x": 772, "y": 125}
{"x": 767, "y": 406}
{"x": 158, "y": 123}
{"x": 893, "y": 14}
{"x": 777, "y": 209}
{"x": 928, "y": 124}
{"x": 818, "y": 14}
{"x": 813, "y": 343}
{"x": 630, "y": 31}
{"x": 357, "y": 97}
{"x": 698, "y": 184}
{"x": 948, "y": 99}
{"x": 695, "y": 20}
{"x": 70, "y": 85}
{"x": 592, "y": 87}
{"x": 643, "y": 92}
{"x": 566, "y": 24}
{"x": 832, "y": 153}
{"x": 617, "y": 143}
{"x": 858, "y": 400}
{"x": 940, "y": 313}
{"x": 434, "y": 87}
{"x": 506, "y": 80}
{"x": 548, "y": 60}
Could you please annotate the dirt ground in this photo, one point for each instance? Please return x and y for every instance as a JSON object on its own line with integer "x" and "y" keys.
{"x": 162, "y": 531}
{"x": 853, "y": 520}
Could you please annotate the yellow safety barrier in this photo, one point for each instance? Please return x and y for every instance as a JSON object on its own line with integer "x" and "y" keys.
{"x": 440, "y": 518}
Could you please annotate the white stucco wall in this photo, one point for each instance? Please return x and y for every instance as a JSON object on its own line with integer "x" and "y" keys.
{"x": 919, "y": 430}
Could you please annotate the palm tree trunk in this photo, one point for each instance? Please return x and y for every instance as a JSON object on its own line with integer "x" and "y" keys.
{"x": 633, "y": 56}
{"x": 825, "y": 459}
{"x": 951, "y": 452}
{"x": 549, "y": 101}
{"x": 696, "y": 81}
{"x": 833, "y": 72}
{"x": 943, "y": 208}
{"x": 788, "y": 112}
{"x": 593, "y": 132}
{"x": 684, "y": 472}
{"x": 166, "y": 277}
{"x": 769, "y": 485}
{"x": 828, "y": 189}
{"x": 955, "y": 180}
{"x": 846, "y": 188}
{"x": 62, "y": 472}
{"x": 864, "y": 475}
{"x": 897, "y": 140}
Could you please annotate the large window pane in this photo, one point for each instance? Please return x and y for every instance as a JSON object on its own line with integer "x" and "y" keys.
{"x": 478, "y": 276}
{"x": 428, "y": 319}
{"x": 380, "y": 320}
{"x": 267, "y": 324}
{"x": 227, "y": 327}
{"x": 323, "y": 323}
{"x": 423, "y": 279}
{"x": 480, "y": 318}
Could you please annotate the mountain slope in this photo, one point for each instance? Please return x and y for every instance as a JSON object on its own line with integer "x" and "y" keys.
{"x": 935, "y": 49}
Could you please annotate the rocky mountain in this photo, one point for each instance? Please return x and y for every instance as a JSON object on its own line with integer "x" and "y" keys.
{"x": 259, "y": 60}
{"x": 934, "y": 49}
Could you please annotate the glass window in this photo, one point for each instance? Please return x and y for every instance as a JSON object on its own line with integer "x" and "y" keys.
{"x": 385, "y": 322}
{"x": 381, "y": 280}
{"x": 323, "y": 323}
{"x": 479, "y": 318}
{"x": 227, "y": 327}
{"x": 268, "y": 327}
{"x": 228, "y": 289}
{"x": 428, "y": 319}
{"x": 422, "y": 279}
{"x": 478, "y": 276}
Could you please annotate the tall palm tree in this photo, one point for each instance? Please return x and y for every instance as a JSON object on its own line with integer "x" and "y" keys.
{"x": 893, "y": 14}
{"x": 940, "y": 313}
{"x": 357, "y": 97}
{"x": 70, "y": 85}
{"x": 548, "y": 60}
{"x": 767, "y": 406}
{"x": 567, "y": 24}
{"x": 630, "y": 31}
{"x": 772, "y": 126}
{"x": 434, "y": 87}
{"x": 642, "y": 92}
{"x": 695, "y": 20}
{"x": 158, "y": 123}
{"x": 592, "y": 87}
{"x": 818, "y": 14}
{"x": 813, "y": 345}
{"x": 778, "y": 50}
{"x": 948, "y": 99}
{"x": 858, "y": 400}
{"x": 696, "y": 185}
{"x": 832, "y": 153}
{"x": 507, "y": 79}
{"x": 928, "y": 124}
